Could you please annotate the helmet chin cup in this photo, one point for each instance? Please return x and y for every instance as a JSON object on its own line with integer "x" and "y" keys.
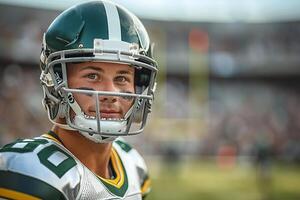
{"x": 92, "y": 130}
{"x": 110, "y": 127}
{"x": 98, "y": 138}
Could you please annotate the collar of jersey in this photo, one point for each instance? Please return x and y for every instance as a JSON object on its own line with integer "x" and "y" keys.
{"x": 117, "y": 166}
{"x": 52, "y": 136}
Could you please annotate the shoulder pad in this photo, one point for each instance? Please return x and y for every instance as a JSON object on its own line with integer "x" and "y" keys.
{"x": 129, "y": 153}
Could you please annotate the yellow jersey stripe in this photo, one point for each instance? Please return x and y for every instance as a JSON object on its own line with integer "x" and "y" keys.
{"x": 11, "y": 194}
{"x": 116, "y": 169}
{"x": 116, "y": 164}
{"x": 51, "y": 138}
{"x": 146, "y": 187}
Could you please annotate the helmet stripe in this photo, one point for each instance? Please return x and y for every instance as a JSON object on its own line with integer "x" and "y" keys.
{"x": 113, "y": 21}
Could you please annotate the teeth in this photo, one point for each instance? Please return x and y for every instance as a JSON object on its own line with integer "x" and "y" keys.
{"x": 89, "y": 117}
{"x": 103, "y": 118}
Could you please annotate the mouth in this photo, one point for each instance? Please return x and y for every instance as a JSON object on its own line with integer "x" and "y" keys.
{"x": 109, "y": 116}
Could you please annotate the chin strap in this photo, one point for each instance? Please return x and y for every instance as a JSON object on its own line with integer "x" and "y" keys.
{"x": 63, "y": 126}
{"x": 74, "y": 105}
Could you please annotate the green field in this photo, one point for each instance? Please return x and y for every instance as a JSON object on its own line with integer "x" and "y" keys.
{"x": 194, "y": 180}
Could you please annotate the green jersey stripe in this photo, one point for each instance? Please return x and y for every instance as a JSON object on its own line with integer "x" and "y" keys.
{"x": 29, "y": 185}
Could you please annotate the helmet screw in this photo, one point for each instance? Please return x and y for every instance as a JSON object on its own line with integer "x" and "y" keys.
{"x": 80, "y": 46}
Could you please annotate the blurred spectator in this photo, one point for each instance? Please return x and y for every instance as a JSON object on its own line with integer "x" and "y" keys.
{"x": 22, "y": 114}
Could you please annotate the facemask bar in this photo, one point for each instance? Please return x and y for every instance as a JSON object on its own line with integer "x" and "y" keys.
{"x": 105, "y": 51}
{"x": 63, "y": 57}
{"x": 133, "y": 112}
{"x": 98, "y": 113}
{"x": 112, "y": 56}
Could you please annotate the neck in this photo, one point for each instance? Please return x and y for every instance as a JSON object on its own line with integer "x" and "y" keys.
{"x": 94, "y": 156}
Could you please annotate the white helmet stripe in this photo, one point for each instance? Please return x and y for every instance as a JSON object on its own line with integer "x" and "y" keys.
{"x": 113, "y": 21}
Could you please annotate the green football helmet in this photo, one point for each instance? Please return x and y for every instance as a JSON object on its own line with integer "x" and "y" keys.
{"x": 97, "y": 31}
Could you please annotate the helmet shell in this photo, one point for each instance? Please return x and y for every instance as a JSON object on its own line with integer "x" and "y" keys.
{"x": 78, "y": 26}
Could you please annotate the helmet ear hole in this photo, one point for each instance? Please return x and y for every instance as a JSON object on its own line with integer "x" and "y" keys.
{"x": 57, "y": 70}
{"x": 52, "y": 108}
{"x": 142, "y": 77}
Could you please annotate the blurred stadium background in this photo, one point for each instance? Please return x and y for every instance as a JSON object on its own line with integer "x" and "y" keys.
{"x": 226, "y": 121}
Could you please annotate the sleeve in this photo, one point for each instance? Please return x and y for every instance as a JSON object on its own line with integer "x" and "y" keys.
{"x": 18, "y": 186}
{"x": 146, "y": 186}
{"x": 143, "y": 173}
{"x": 36, "y": 169}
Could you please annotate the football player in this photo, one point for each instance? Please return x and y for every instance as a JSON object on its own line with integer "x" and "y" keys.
{"x": 98, "y": 78}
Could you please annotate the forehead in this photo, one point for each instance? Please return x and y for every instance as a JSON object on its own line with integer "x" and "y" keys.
{"x": 103, "y": 66}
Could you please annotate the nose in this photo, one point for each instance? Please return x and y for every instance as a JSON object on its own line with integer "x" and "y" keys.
{"x": 108, "y": 99}
{"x": 108, "y": 86}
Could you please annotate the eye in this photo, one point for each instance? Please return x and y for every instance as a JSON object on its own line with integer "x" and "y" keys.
{"x": 92, "y": 76}
{"x": 122, "y": 79}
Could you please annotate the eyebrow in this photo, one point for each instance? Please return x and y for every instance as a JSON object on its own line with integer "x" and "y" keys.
{"x": 101, "y": 70}
{"x": 93, "y": 68}
{"x": 124, "y": 72}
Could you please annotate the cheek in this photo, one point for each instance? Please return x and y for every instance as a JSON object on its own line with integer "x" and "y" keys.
{"x": 129, "y": 103}
{"x": 75, "y": 82}
{"x": 125, "y": 104}
{"x": 83, "y": 100}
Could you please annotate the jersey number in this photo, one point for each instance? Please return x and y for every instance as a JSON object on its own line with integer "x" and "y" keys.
{"x": 26, "y": 146}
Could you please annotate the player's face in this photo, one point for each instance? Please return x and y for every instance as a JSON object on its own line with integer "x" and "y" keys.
{"x": 101, "y": 76}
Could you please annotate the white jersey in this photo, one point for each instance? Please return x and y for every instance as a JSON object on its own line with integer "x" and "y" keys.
{"x": 42, "y": 168}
